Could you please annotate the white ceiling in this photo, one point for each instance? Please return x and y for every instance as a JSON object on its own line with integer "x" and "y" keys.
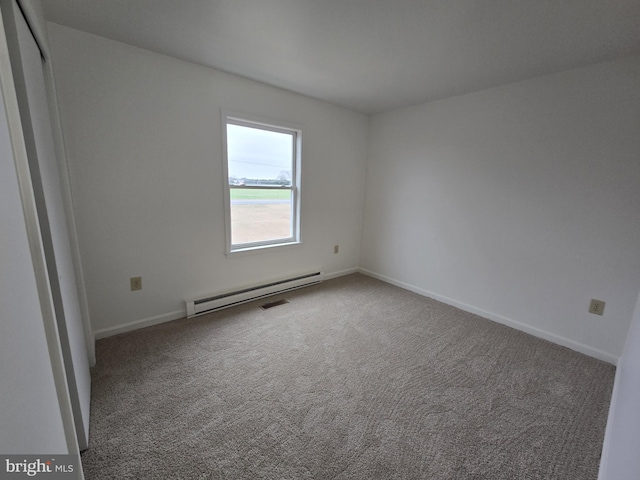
{"x": 369, "y": 55}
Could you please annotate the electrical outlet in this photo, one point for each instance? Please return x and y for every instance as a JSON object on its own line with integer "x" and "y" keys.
{"x": 336, "y": 249}
{"x": 596, "y": 307}
{"x": 136, "y": 283}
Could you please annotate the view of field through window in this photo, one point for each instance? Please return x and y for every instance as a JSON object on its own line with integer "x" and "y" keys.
{"x": 260, "y": 166}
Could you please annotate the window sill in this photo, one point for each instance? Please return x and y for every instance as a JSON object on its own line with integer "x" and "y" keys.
{"x": 238, "y": 252}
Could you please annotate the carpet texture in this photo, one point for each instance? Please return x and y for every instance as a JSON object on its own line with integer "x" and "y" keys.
{"x": 352, "y": 379}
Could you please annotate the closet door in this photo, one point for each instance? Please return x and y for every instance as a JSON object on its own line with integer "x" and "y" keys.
{"x": 29, "y": 75}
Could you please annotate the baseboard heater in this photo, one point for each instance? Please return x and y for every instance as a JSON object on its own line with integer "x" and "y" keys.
{"x": 229, "y": 299}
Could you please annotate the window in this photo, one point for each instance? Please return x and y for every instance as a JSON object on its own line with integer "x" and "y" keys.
{"x": 262, "y": 184}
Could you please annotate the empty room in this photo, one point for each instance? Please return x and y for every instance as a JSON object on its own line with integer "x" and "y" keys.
{"x": 290, "y": 239}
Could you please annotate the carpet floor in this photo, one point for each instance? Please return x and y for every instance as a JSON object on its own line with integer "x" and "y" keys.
{"x": 352, "y": 379}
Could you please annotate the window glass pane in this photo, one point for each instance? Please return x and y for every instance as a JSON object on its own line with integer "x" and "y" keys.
{"x": 262, "y": 164}
{"x": 260, "y": 215}
{"x": 259, "y": 157}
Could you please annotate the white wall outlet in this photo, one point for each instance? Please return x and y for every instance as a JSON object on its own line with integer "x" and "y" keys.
{"x": 596, "y": 307}
{"x": 336, "y": 249}
{"x": 136, "y": 283}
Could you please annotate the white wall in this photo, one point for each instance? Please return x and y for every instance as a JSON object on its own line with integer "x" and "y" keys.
{"x": 620, "y": 460}
{"x": 143, "y": 139}
{"x": 30, "y": 417}
{"x": 520, "y": 203}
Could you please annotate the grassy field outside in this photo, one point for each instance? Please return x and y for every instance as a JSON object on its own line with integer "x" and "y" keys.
{"x": 259, "y": 223}
{"x": 263, "y": 220}
{"x": 261, "y": 194}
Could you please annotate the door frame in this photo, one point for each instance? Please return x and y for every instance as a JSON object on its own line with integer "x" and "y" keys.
{"x": 34, "y": 235}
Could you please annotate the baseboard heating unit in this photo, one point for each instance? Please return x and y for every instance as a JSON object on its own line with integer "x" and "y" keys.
{"x": 219, "y": 301}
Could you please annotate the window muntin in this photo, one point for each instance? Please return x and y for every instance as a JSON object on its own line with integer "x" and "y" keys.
{"x": 262, "y": 188}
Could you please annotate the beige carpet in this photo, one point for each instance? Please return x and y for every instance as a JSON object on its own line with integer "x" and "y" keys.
{"x": 352, "y": 379}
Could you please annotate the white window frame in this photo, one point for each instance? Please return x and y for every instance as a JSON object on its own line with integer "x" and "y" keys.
{"x": 253, "y": 121}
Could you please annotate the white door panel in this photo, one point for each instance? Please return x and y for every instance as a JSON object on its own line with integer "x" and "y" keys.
{"x": 53, "y": 223}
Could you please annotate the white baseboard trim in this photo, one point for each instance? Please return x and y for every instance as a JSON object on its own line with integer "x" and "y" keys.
{"x": 341, "y": 273}
{"x": 536, "y": 332}
{"x": 137, "y": 324}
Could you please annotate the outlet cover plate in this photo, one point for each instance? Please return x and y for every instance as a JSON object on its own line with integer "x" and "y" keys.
{"x": 596, "y": 306}
{"x": 136, "y": 283}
